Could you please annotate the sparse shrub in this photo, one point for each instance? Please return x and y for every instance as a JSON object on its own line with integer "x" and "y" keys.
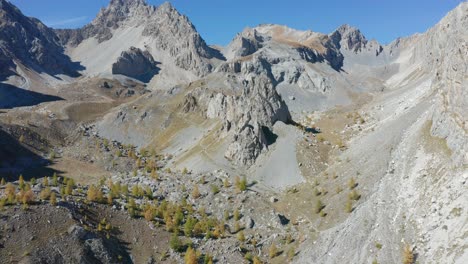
{"x": 149, "y": 214}
{"x": 110, "y": 199}
{"x": 21, "y": 139}
{"x": 214, "y": 189}
{"x": 21, "y": 182}
{"x": 408, "y": 255}
{"x": 33, "y": 181}
{"x": 249, "y": 257}
{"x": 226, "y": 183}
{"x": 349, "y": 206}
{"x": 341, "y": 144}
{"x": 378, "y": 245}
{"x": 28, "y": 197}
{"x": 149, "y": 192}
{"x": 175, "y": 243}
{"x": 208, "y": 259}
{"x": 45, "y": 194}
{"x": 226, "y": 215}
{"x": 322, "y": 213}
{"x": 94, "y": 194}
{"x": 131, "y": 204}
{"x": 272, "y": 251}
{"x": 319, "y": 206}
{"x": 124, "y": 190}
{"x": 55, "y": 179}
{"x": 69, "y": 187}
{"x": 237, "y": 226}
{"x": 196, "y": 192}
{"x": 136, "y": 190}
{"x": 254, "y": 242}
{"x": 2, "y": 182}
{"x": 320, "y": 138}
{"x": 291, "y": 253}
{"x": 53, "y": 199}
{"x": 236, "y": 215}
{"x": 316, "y": 182}
{"x": 352, "y": 183}
{"x": 189, "y": 226}
{"x": 241, "y": 236}
{"x": 154, "y": 174}
{"x": 184, "y": 171}
{"x": 10, "y": 192}
{"x": 256, "y": 260}
{"x": 354, "y": 195}
{"x": 317, "y": 192}
{"x": 241, "y": 184}
{"x": 339, "y": 189}
{"x": 52, "y": 155}
{"x": 191, "y": 256}
{"x": 118, "y": 153}
{"x": 202, "y": 179}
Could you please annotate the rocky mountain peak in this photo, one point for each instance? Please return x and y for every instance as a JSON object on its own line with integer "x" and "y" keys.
{"x": 31, "y": 43}
{"x": 167, "y": 6}
{"x": 8, "y": 10}
{"x": 348, "y": 37}
{"x": 120, "y": 10}
{"x": 127, "y": 3}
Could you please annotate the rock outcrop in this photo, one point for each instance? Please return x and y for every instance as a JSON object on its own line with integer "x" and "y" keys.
{"x": 349, "y": 38}
{"x": 137, "y": 64}
{"x": 244, "y": 44}
{"x": 248, "y": 117}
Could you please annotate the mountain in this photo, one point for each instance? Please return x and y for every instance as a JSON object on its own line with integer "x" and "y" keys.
{"x": 329, "y": 147}
{"x": 29, "y": 42}
{"x": 162, "y": 31}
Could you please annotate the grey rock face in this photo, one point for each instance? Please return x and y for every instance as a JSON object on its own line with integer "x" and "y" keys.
{"x": 349, "y": 38}
{"x": 249, "y": 116}
{"x": 31, "y": 43}
{"x": 284, "y": 58}
{"x": 245, "y": 43}
{"x": 108, "y": 19}
{"x": 175, "y": 34}
{"x": 447, "y": 47}
{"x": 172, "y": 32}
{"x": 137, "y": 64}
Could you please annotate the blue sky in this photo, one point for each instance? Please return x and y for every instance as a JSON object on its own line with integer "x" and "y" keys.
{"x": 219, "y": 20}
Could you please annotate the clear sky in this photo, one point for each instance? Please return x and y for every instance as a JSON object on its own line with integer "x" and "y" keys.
{"x": 218, "y": 21}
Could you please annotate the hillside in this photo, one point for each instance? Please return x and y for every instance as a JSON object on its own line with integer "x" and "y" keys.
{"x": 137, "y": 142}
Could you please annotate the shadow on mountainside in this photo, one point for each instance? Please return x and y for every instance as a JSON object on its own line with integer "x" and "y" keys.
{"x": 16, "y": 159}
{"x": 12, "y": 96}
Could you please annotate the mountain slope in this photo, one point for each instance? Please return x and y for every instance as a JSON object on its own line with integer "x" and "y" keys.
{"x": 162, "y": 31}
{"x": 352, "y": 151}
{"x": 28, "y": 42}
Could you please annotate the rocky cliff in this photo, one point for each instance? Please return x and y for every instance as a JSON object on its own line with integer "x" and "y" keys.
{"x": 29, "y": 42}
{"x": 137, "y": 64}
{"x": 447, "y": 50}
